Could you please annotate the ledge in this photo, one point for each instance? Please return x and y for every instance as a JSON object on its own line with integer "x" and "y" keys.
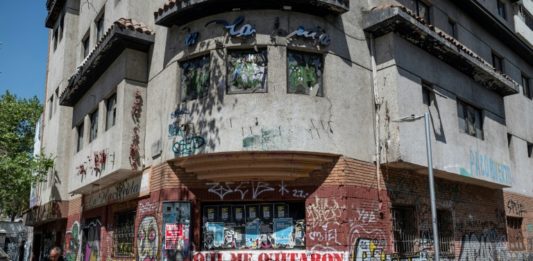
{"x": 245, "y": 165}
{"x": 178, "y": 12}
{"x": 54, "y": 8}
{"x": 398, "y": 19}
{"x": 123, "y": 34}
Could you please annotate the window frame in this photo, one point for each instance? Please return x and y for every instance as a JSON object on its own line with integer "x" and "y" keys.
{"x": 408, "y": 248}
{"x": 427, "y": 90}
{"x": 80, "y": 129}
{"x": 264, "y": 84}
{"x": 453, "y": 28}
{"x": 446, "y": 235}
{"x": 85, "y": 44}
{"x": 321, "y": 89}
{"x": 50, "y": 106}
{"x": 113, "y": 98}
{"x": 183, "y": 89}
{"x": 55, "y": 38}
{"x": 514, "y": 229}
{"x": 529, "y": 149}
{"x": 99, "y": 23}
{"x": 501, "y": 9}
{"x": 479, "y": 112}
{"x": 93, "y": 125}
{"x": 497, "y": 62}
{"x": 526, "y": 86}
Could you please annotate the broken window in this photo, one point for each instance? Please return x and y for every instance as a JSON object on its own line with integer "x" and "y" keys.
{"x": 247, "y": 71}
{"x": 255, "y": 226}
{"x": 123, "y": 234}
{"x": 99, "y": 24}
{"x": 195, "y": 78}
{"x": 85, "y": 45}
{"x": 304, "y": 73}
{"x": 514, "y": 231}
{"x": 427, "y": 90}
{"x": 470, "y": 119}
{"x": 405, "y": 231}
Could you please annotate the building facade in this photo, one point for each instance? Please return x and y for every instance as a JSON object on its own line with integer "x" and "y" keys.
{"x": 286, "y": 130}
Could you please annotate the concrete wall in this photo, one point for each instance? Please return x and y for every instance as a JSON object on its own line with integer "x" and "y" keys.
{"x": 331, "y": 123}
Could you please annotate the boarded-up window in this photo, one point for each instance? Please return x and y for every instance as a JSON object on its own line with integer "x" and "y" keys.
{"x": 514, "y": 232}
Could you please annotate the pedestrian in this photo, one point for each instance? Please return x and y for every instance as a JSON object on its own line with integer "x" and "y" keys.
{"x": 55, "y": 254}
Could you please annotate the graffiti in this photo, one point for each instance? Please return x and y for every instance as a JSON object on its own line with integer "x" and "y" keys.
{"x": 366, "y": 216}
{"x": 270, "y": 255}
{"x": 317, "y": 34}
{"x": 92, "y": 240}
{"x": 283, "y": 188}
{"x": 323, "y": 211}
{"x": 146, "y": 207}
{"x": 484, "y": 246}
{"x": 136, "y": 111}
{"x": 191, "y": 38}
{"x": 485, "y": 167}
{"x": 73, "y": 244}
{"x": 121, "y": 191}
{"x": 176, "y": 231}
{"x": 244, "y": 31}
{"x": 147, "y": 239}
{"x": 515, "y": 208}
{"x": 269, "y": 139}
{"x": 255, "y": 187}
{"x": 188, "y": 146}
{"x": 95, "y": 164}
{"x": 298, "y": 193}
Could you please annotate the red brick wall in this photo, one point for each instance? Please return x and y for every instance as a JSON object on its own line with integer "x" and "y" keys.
{"x": 521, "y": 207}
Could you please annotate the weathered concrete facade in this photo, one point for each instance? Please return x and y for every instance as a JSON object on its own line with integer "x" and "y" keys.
{"x": 277, "y": 130}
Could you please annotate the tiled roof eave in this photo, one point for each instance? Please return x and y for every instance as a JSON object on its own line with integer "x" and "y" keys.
{"x": 101, "y": 57}
{"x": 400, "y": 20}
{"x": 54, "y": 11}
{"x": 177, "y": 12}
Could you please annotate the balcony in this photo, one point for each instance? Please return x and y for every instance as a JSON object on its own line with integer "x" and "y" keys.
{"x": 179, "y": 12}
{"x": 398, "y": 19}
{"x": 523, "y": 24}
{"x": 123, "y": 34}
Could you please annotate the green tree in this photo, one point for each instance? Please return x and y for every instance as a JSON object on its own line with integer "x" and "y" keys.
{"x": 19, "y": 169}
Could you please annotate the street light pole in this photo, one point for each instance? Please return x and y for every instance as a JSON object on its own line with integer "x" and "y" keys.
{"x": 432, "y": 188}
{"x": 431, "y": 179}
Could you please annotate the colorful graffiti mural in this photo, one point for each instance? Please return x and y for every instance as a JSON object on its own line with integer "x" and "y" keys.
{"x": 176, "y": 231}
{"x": 72, "y": 246}
{"x": 483, "y": 166}
{"x": 147, "y": 239}
{"x": 91, "y": 239}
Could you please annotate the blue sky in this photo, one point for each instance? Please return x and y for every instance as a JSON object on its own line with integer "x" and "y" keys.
{"x": 23, "y": 47}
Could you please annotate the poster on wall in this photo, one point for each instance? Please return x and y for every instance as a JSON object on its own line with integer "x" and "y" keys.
{"x": 211, "y": 213}
{"x": 216, "y": 229}
{"x": 266, "y": 211}
{"x": 239, "y": 237}
{"x": 299, "y": 233}
{"x": 229, "y": 236}
{"x": 252, "y": 234}
{"x": 282, "y": 210}
{"x": 173, "y": 235}
{"x": 283, "y": 229}
{"x": 238, "y": 214}
{"x": 225, "y": 213}
{"x": 251, "y": 213}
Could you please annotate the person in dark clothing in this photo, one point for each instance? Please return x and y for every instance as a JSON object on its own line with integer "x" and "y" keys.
{"x": 55, "y": 254}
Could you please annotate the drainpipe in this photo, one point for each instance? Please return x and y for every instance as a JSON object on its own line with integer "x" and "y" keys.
{"x": 377, "y": 101}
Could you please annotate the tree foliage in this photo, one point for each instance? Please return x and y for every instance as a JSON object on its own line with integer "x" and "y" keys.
{"x": 19, "y": 169}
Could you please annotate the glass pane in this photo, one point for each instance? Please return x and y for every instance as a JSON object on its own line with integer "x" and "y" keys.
{"x": 195, "y": 78}
{"x": 247, "y": 71}
{"x": 305, "y": 73}
{"x": 111, "y": 111}
{"x": 423, "y": 11}
{"x": 479, "y": 124}
{"x": 471, "y": 121}
{"x": 461, "y": 116}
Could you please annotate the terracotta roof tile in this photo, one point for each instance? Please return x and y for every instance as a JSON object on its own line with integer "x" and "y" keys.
{"x": 169, "y": 4}
{"x": 133, "y": 25}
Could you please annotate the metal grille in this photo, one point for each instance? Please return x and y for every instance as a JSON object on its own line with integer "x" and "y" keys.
{"x": 445, "y": 226}
{"x": 123, "y": 234}
{"x": 514, "y": 231}
{"x": 405, "y": 236}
